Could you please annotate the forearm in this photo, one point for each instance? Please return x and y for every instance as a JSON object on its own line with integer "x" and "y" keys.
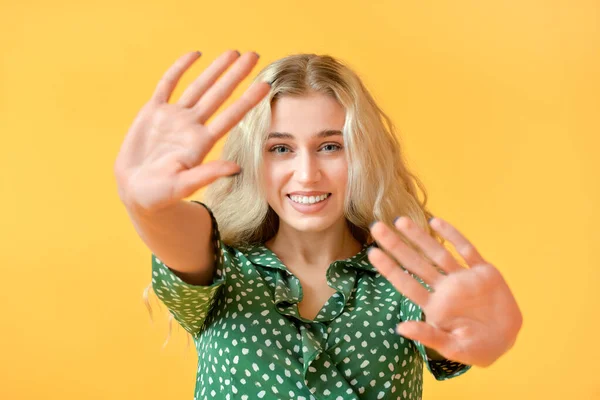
{"x": 180, "y": 237}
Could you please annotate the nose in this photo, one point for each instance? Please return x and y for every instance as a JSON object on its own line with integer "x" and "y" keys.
{"x": 308, "y": 169}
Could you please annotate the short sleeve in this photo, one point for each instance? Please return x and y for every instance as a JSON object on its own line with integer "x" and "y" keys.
{"x": 440, "y": 369}
{"x": 190, "y": 304}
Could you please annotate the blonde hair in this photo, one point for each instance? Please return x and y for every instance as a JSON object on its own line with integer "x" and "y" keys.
{"x": 380, "y": 185}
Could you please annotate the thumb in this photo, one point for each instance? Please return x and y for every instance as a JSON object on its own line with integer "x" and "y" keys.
{"x": 191, "y": 180}
{"x": 428, "y": 335}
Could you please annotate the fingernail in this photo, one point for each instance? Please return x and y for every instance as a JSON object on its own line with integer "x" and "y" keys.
{"x": 372, "y": 223}
{"x": 430, "y": 219}
{"x": 396, "y": 219}
{"x": 239, "y": 54}
{"x": 199, "y": 53}
{"x": 369, "y": 249}
{"x": 257, "y": 55}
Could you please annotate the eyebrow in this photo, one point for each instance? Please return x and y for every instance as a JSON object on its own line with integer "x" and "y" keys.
{"x": 323, "y": 134}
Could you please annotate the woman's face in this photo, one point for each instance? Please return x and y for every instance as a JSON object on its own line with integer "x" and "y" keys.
{"x": 304, "y": 156}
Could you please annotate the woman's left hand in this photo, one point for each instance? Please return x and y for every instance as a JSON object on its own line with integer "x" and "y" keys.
{"x": 471, "y": 315}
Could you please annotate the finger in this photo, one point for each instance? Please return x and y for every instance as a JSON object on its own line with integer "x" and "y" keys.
{"x": 409, "y": 258}
{"x": 190, "y": 181}
{"x": 439, "y": 255}
{"x": 169, "y": 80}
{"x": 429, "y": 336}
{"x": 235, "y": 112}
{"x": 220, "y": 91}
{"x": 460, "y": 243}
{"x": 194, "y": 92}
{"x": 400, "y": 279}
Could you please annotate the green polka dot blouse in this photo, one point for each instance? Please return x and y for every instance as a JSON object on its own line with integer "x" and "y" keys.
{"x": 253, "y": 344}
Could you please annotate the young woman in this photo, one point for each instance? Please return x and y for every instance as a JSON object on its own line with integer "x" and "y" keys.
{"x": 287, "y": 288}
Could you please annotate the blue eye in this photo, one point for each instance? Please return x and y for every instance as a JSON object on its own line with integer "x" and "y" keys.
{"x": 277, "y": 147}
{"x": 334, "y": 145}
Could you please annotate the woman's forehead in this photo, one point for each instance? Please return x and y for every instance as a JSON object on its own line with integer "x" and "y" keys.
{"x": 307, "y": 115}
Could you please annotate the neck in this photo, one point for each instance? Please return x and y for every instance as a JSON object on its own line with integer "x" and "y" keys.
{"x": 313, "y": 250}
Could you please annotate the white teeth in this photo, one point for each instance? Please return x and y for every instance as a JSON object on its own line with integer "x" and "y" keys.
{"x": 308, "y": 200}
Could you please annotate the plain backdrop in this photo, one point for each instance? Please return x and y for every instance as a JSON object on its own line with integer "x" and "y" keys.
{"x": 496, "y": 103}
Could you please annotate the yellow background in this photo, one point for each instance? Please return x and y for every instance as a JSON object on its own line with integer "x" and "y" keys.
{"x": 496, "y": 102}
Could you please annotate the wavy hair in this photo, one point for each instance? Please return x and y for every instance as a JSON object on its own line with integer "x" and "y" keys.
{"x": 380, "y": 184}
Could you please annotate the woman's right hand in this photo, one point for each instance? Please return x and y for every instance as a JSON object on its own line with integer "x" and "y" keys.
{"x": 160, "y": 161}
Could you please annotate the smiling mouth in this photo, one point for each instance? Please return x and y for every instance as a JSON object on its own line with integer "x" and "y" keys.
{"x": 309, "y": 203}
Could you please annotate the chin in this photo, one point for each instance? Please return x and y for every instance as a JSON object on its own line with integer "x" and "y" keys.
{"x": 306, "y": 223}
{"x": 311, "y": 226}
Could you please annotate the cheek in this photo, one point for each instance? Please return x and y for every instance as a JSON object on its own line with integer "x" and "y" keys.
{"x": 272, "y": 178}
{"x": 339, "y": 173}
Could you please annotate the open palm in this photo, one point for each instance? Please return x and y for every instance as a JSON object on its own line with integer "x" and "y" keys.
{"x": 470, "y": 314}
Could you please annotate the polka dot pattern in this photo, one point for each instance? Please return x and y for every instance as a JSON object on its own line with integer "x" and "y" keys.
{"x": 252, "y": 342}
